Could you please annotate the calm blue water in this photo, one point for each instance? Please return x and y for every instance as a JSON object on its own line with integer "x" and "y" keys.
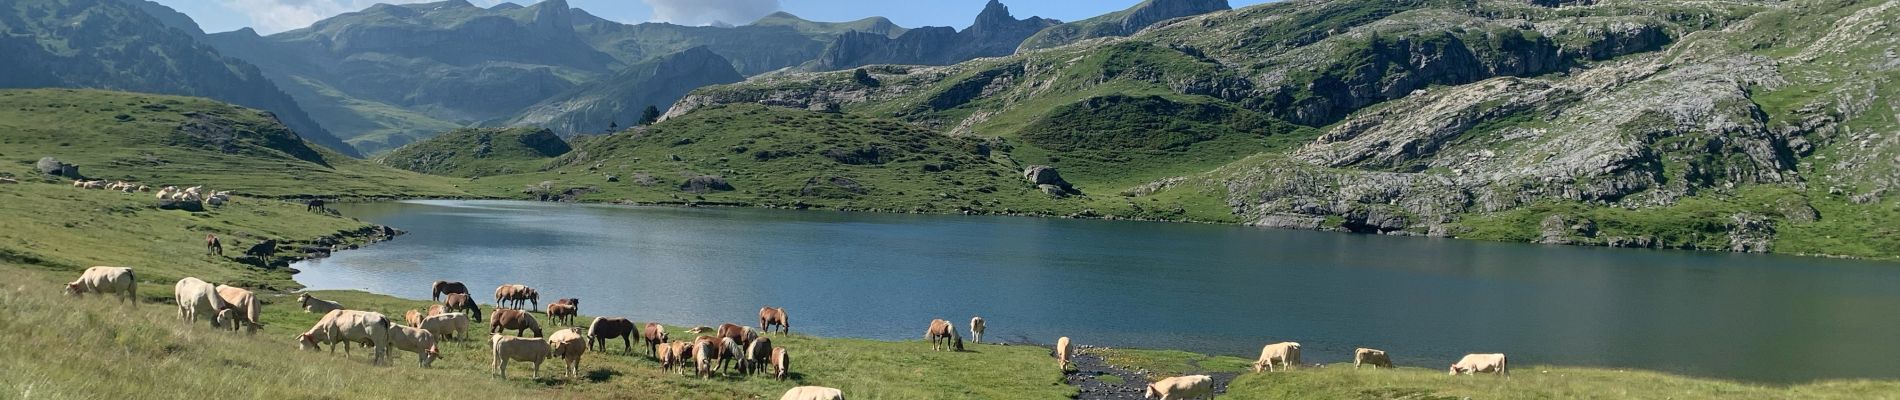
{"x": 1206, "y": 288}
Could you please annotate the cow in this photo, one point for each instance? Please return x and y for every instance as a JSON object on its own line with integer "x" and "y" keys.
{"x": 315, "y": 205}
{"x": 263, "y": 250}
{"x": 446, "y": 287}
{"x": 213, "y": 246}
{"x": 1376, "y": 357}
{"x": 604, "y": 328}
{"x": 314, "y": 305}
{"x": 557, "y": 313}
{"x": 976, "y": 329}
{"x": 1480, "y": 363}
{"x": 1181, "y": 387}
{"x": 569, "y": 345}
{"x": 244, "y": 306}
{"x": 812, "y": 393}
{"x": 345, "y": 327}
{"x": 1064, "y": 350}
{"x": 510, "y": 348}
{"x": 197, "y": 298}
{"x": 941, "y": 331}
{"x": 415, "y": 340}
{"x": 1284, "y": 354}
{"x": 463, "y": 303}
{"x": 447, "y": 325}
{"x": 102, "y": 280}
{"x": 505, "y": 319}
{"x": 769, "y": 316}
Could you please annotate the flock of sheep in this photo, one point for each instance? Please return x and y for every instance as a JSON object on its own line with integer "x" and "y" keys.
{"x": 166, "y": 195}
{"x": 753, "y": 352}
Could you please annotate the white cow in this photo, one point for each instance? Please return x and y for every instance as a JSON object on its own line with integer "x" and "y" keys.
{"x": 345, "y": 327}
{"x": 199, "y": 298}
{"x": 102, "y": 280}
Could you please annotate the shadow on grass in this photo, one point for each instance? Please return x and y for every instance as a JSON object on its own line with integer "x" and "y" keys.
{"x": 602, "y": 375}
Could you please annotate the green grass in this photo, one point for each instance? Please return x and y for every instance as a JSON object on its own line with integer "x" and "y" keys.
{"x": 1341, "y": 381}
{"x": 138, "y": 137}
{"x": 477, "y": 152}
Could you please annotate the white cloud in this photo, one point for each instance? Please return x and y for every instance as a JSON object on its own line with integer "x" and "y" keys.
{"x": 272, "y": 16}
{"x": 704, "y": 12}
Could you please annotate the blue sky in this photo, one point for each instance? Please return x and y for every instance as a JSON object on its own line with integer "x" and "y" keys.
{"x": 271, "y": 16}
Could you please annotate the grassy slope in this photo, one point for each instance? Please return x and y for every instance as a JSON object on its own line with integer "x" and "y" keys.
{"x": 85, "y": 127}
{"x": 475, "y": 152}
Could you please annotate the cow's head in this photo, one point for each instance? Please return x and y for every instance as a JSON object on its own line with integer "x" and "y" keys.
{"x": 1150, "y": 392}
{"x": 429, "y": 356}
{"x": 74, "y": 289}
{"x": 307, "y": 342}
{"x": 1453, "y": 370}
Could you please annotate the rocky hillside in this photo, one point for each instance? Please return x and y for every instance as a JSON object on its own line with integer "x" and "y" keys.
{"x": 134, "y": 45}
{"x": 618, "y": 100}
{"x": 1122, "y": 23}
{"x": 480, "y": 152}
{"x": 995, "y": 33}
{"x": 184, "y": 141}
{"x": 1729, "y": 125}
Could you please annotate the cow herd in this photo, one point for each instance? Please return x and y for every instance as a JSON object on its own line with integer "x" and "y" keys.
{"x": 744, "y": 349}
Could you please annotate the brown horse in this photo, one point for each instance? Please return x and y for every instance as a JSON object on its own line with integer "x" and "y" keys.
{"x": 769, "y": 316}
{"x": 463, "y": 303}
{"x": 516, "y": 294}
{"x": 213, "y": 246}
{"x": 604, "y": 328}
{"x": 755, "y": 356}
{"x": 446, "y": 287}
{"x": 941, "y": 331}
{"x": 654, "y": 336}
{"x": 505, "y": 319}
{"x": 561, "y": 313}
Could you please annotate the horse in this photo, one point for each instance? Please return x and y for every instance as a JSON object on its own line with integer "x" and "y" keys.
{"x": 769, "y": 316}
{"x": 446, "y": 287}
{"x": 213, "y": 246}
{"x": 941, "y": 331}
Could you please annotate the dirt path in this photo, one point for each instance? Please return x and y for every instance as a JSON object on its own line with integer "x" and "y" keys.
{"x": 1099, "y": 380}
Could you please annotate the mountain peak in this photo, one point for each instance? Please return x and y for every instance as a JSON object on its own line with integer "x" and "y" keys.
{"x": 994, "y": 12}
{"x": 553, "y": 16}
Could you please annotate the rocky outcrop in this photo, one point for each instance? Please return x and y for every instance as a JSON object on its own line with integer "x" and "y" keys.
{"x": 704, "y": 184}
{"x": 52, "y": 166}
{"x": 1122, "y": 23}
{"x": 995, "y": 33}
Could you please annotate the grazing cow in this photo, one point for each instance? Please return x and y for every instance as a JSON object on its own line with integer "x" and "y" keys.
{"x": 1064, "y": 350}
{"x": 412, "y": 317}
{"x": 263, "y": 250}
{"x": 198, "y": 298}
{"x": 213, "y": 246}
{"x": 976, "y": 329}
{"x": 604, "y": 328}
{"x": 1376, "y": 357}
{"x": 447, "y": 325}
{"x": 1480, "y": 363}
{"x": 755, "y": 356}
{"x": 703, "y": 353}
{"x": 314, "y": 305}
{"x": 346, "y": 327}
{"x": 415, "y": 340}
{"x": 1181, "y": 387}
{"x": 569, "y": 345}
{"x": 445, "y": 287}
{"x": 510, "y": 348}
{"x": 557, "y": 313}
{"x": 315, "y": 205}
{"x": 505, "y": 319}
{"x": 244, "y": 306}
{"x": 653, "y": 336}
{"x": 940, "y": 332}
{"x": 781, "y": 363}
{"x": 436, "y": 309}
{"x": 102, "y": 280}
{"x": 812, "y": 393}
{"x": 1284, "y": 354}
{"x": 506, "y": 295}
{"x": 769, "y": 316}
{"x": 462, "y": 303}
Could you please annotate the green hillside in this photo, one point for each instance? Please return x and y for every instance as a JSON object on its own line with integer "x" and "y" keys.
{"x": 181, "y": 141}
{"x": 480, "y": 152}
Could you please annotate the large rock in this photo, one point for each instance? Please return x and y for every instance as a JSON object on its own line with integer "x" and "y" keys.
{"x": 705, "y": 184}
{"x": 52, "y": 166}
{"x": 1045, "y": 175}
{"x": 1750, "y": 233}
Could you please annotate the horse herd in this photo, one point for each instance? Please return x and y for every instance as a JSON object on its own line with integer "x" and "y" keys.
{"x": 745, "y": 349}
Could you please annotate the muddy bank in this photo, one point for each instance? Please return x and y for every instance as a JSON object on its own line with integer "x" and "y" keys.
{"x": 1096, "y": 379}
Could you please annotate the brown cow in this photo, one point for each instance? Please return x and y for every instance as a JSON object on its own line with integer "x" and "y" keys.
{"x": 558, "y": 313}
{"x": 463, "y": 304}
{"x": 654, "y": 336}
{"x": 769, "y": 316}
{"x": 504, "y": 319}
{"x": 604, "y": 328}
{"x": 446, "y": 287}
{"x": 941, "y": 331}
